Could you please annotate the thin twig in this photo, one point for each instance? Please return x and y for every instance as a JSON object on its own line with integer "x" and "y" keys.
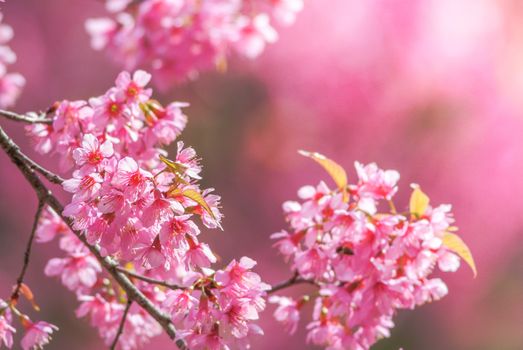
{"x": 27, "y": 253}
{"x": 133, "y": 293}
{"x": 52, "y": 177}
{"x": 24, "y": 118}
{"x": 295, "y": 279}
{"x": 148, "y": 279}
{"x": 122, "y": 323}
{"x": 392, "y": 207}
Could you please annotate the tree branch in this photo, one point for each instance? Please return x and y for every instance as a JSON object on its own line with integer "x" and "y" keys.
{"x": 52, "y": 177}
{"x": 295, "y": 279}
{"x": 27, "y": 253}
{"x": 133, "y": 293}
{"x": 148, "y": 279}
{"x": 122, "y": 323}
{"x": 25, "y": 118}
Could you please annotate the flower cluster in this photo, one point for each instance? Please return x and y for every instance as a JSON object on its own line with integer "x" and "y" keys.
{"x": 93, "y": 136}
{"x": 367, "y": 262}
{"x": 100, "y": 298}
{"x": 218, "y": 310}
{"x": 11, "y": 84}
{"x": 141, "y": 209}
{"x": 6, "y": 329}
{"x": 37, "y": 334}
{"x": 178, "y": 39}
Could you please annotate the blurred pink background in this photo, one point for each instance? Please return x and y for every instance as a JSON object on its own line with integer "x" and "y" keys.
{"x": 432, "y": 88}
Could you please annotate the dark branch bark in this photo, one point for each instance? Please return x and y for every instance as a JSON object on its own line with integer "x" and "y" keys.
{"x": 25, "y": 118}
{"x": 133, "y": 293}
{"x": 295, "y": 279}
{"x": 52, "y": 177}
{"x": 122, "y": 324}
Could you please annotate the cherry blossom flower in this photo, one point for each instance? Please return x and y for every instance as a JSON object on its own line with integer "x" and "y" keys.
{"x": 11, "y": 84}
{"x": 106, "y": 315}
{"x": 140, "y": 208}
{"x": 91, "y": 152}
{"x": 287, "y": 312}
{"x": 6, "y": 329}
{"x": 83, "y": 187}
{"x": 133, "y": 88}
{"x": 365, "y": 264}
{"x": 254, "y": 34}
{"x": 223, "y": 314}
{"x": 49, "y": 226}
{"x": 376, "y": 182}
{"x": 37, "y": 335}
{"x": 77, "y": 271}
{"x": 178, "y": 39}
{"x": 130, "y": 178}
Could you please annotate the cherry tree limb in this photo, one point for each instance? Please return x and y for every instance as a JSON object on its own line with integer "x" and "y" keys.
{"x": 50, "y": 176}
{"x": 31, "y": 119}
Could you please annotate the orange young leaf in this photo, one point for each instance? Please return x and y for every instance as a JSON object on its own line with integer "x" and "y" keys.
{"x": 28, "y": 294}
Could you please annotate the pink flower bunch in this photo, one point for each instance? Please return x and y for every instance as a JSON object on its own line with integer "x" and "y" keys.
{"x": 366, "y": 259}
{"x": 94, "y": 135}
{"x": 177, "y": 39}
{"x": 100, "y": 298}
{"x": 37, "y": 334}
{"x": 11, "y": 84}
{"x": 105, "y": 310}
{"x": 6, "y": 328}
{"x": 210, "y": 309}
{"x": 218, "y": 310}
{"x": 140, "y": 208}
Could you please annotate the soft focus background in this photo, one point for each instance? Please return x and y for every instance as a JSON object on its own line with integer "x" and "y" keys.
{"x": 432, "y": 88}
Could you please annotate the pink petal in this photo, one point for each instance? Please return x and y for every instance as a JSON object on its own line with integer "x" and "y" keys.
{"x": 141, "y": 78}
{"x": 107, "y": 149}
{"x": 54, "y": 267}
{"x": 90, "y": 142}
{"x": 71, "y": 185}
